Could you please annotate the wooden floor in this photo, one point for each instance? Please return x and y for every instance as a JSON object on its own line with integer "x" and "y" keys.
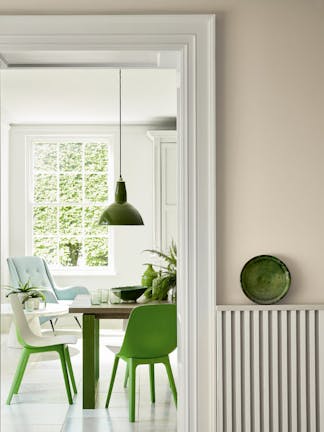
{"x": 41, "y": 405}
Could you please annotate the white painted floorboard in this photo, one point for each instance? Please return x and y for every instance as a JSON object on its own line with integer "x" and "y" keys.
{"x": 41, "y": 405}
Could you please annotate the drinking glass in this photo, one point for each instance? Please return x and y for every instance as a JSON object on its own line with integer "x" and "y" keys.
{"x": 104, "y": 295}
{"x": 95, "y": 297}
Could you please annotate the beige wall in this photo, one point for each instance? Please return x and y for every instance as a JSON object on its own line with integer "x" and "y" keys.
{"x": 270, "y": 130}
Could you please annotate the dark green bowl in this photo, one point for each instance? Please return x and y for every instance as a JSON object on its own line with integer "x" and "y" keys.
{"x": 129, "y": 293}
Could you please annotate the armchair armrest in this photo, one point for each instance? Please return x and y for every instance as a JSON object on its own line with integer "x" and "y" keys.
{"x": 69, "y": 293}
{"x": 49, "y": 295}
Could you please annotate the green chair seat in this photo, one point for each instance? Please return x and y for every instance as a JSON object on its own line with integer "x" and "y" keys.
{"x": 151, "y": 335}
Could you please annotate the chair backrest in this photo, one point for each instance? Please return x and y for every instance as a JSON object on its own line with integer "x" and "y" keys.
{"x": 151, "y": 331}
{"x": 31, "y": 268}
{"x": 24, "y": 335}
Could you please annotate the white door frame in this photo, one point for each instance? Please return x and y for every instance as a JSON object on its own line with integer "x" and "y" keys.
{"x": 193, "y": 37}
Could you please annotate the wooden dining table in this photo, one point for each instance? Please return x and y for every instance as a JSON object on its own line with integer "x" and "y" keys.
{"x": 92, "y": 314}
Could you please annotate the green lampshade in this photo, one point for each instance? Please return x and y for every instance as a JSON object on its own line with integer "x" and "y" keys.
{"x": 121, "y": 212}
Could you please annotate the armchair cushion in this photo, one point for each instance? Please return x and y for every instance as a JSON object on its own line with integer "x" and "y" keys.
{"x": 30, "y": 268}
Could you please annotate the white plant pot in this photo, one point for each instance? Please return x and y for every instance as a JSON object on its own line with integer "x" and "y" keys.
{"x": 21, "y": 298}
{"x": 36, "y": 303}
{"x": 29, "y": 305}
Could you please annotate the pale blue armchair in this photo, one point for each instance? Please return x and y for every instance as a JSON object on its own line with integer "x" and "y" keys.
{"x": 35, "y": 269}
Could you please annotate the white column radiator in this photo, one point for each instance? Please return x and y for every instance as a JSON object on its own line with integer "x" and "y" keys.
{"x": 270, "y": 368}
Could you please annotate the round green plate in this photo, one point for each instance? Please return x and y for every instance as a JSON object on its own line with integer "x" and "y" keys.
{"x": 265, "y": 279}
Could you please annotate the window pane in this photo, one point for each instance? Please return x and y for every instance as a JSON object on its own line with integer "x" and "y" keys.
{"x": 70, "y": 220}
{"x": 91, "y": 220}
{"x": 70, "y": 251}
{"x": 96, "y": 251}
{"x": 45, "y": 187}
{"x": 71, "y": 157}
{"x": 45, "y": 220}
{"x": 46, "y": 247}
{"x": 45, "y": 156}
{"x": 96, "y": 157}
{"x": 96, "y": 187}
{"x": 71, "y": 187}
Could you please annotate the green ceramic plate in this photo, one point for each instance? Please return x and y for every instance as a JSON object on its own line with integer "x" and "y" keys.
{"x": 265, "y": 279}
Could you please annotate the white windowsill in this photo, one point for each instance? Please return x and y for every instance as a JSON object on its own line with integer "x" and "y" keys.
{"x": 82, "y": 272}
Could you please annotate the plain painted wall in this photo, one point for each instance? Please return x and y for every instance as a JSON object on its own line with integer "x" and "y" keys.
{"x": 270, "y": 130}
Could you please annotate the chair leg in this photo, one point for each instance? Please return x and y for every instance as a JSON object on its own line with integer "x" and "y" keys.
{"x": 52, "y": 325}
{"x": 18, "y": 375}
{"x": 131, "y": 389}
{"x": 77, "y": 320}
{"x": 171, "y": 380}
{"x": 112, "y": 380}
{"x": 152, "y": 383}
{"x": 69, "y": 366}
{"x": 22, "y": 371}
{"x": 65, "y": 374}
{"x": 126, "y": 375}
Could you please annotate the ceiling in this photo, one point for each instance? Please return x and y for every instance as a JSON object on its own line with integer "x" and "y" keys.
{"x": 88, "y": 95}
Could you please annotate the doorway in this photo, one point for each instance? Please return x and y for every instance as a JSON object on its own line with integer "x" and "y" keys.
{"x": 193, "y": 38}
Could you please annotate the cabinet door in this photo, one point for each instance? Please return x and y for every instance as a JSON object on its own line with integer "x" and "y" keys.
{"x": 165, "y": 188}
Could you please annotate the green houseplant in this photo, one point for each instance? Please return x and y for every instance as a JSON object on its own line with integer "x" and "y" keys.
{"x": 36, "y": 296}
{"x": 167, "y": 278}
{"x": 26, "y": 291}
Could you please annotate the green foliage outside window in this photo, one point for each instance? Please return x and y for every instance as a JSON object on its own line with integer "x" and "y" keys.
{"x": 96, "y": 249}
{"x": 45, "y": 157}
{"x": 71, "y": 157}
{"x": 46, "y": 247}
{"x": 70, "y": 193}
{"x": 45, "y": 189}
{"x": 70, "y": 220}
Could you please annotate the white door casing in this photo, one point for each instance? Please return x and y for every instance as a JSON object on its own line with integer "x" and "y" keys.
{"x": 192, "y": 37}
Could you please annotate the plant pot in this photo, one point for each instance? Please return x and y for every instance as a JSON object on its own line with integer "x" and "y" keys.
{"x": 36, "y": 303}
{"x": 21, "y": 298}
{"x": 29, "y": 305}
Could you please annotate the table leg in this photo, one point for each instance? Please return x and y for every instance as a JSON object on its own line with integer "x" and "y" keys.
{"x": 90, "y": 360}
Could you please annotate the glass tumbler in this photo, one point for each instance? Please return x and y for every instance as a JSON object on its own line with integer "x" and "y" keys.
{"x": 96, "y": 297}
{"x": 104, "y": 295}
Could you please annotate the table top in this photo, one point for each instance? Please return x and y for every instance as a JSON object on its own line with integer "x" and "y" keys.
{"x": 82, "y": 304}
{"x": 51, "y": 309}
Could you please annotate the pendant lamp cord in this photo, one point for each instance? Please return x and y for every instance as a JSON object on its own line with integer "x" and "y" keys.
{"x": 120, "y": 154}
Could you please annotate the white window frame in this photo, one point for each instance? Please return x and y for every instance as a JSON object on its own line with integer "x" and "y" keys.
{"x": 54, "y": 138}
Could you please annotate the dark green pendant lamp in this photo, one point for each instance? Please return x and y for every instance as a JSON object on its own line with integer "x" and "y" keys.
{"x": 120, "y": 212}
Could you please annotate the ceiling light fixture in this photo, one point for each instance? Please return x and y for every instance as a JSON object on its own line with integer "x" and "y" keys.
{"x": 120, "y": 212}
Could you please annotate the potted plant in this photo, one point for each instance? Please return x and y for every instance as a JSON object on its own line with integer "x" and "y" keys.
{"x": 26, "y": 291}
{"x": 36, "y": 296}
{"x": 167, "y": 278}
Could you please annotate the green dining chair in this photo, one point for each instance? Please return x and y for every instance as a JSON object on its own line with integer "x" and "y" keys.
{"x": 151, "y": 335}
{"x": 33, "y": 344}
